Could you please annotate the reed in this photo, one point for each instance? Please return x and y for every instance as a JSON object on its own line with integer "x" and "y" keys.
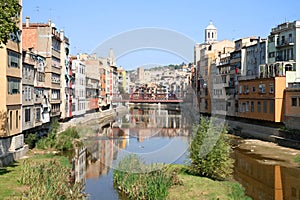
{"x": 138, "y": 180}
{"x": 48, "y": 179}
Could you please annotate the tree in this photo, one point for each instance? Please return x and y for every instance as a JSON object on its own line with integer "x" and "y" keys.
{"x": 210, "y": 150}
{"x": 9, "y": 17}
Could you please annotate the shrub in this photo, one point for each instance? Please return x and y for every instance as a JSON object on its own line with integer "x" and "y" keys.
{"x": 297, "y": 159}
{"x": 210, "y": 150}
{"x": 140, "y": 181}
{"x": 62, "y": 141}
{"x": 238, "y": 192}
{"x": 31, "y": 140}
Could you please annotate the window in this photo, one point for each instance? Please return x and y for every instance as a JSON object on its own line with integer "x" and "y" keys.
{"x": 208, "y": 35}
{"x": 10, "y": 120}
{"x": 262, "y": 88}
{"x": 55, "y": 94}
{"x": 271, "y": 88}
{"x": 247, "y": 106}
{"x": 13, "y": 85}
{"x": 55, "y": 78}
{"x": 265, "y": 107}
{"x": 290, "y": 37}
{"x": 252, "y": 106}
{"x": 299, "y": 101}
{"x": 294, "y": 101}
{"x": 13, "y": 59}
{"x": 258, "y": 106}
{"x": 253, "y": 89}
{"x": 17, "y": 119}
{"x": 271, "y": 106}
{"x": 27, "y": 115}
{"x": 40, "y": 76}
{"x": 241, "y": 89}
{"x": 246, "y": 89}
{"x": 282, "y": 39}
{"x": 38, "y": 114}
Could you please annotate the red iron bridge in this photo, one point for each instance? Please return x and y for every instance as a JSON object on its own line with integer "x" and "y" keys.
{"x": 147, "y": 99}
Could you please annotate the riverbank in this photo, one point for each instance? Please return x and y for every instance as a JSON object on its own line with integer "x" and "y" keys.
{"x": 102, "y": 116}
{"x": 265, "y": 133}
{"x": 196, "y": 187}
{"x": 265, "y": 169}
{"x": 10, "y": 187}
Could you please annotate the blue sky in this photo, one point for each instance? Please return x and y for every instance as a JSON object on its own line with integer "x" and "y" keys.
{"x": 89, "y": 23}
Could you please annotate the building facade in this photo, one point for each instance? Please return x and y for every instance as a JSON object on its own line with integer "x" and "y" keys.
{"x": 92, "y": 83}
{"x": 46, "y": 40}
{"x": 66, "y": 90}
{"x": 11, "y": 138}
{"x": 78, "y": 87}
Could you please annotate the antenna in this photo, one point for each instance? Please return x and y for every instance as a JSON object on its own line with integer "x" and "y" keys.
{"x": 50, "y": 13}
{"x": 37, "y": 9}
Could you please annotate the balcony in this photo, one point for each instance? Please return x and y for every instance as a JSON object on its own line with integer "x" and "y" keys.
{"x": 54, "y": 113}
{"x": 285, "y": 43}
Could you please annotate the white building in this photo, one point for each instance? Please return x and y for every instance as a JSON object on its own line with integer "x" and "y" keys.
{"x": 78, "y": 87}
{"x": 284, "y": 50}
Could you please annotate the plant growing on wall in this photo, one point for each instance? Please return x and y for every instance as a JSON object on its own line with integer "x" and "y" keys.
{"x": 3, "y": 123}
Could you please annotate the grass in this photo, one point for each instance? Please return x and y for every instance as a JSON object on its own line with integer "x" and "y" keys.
{"x": 9, "y": 185}
{"x": 9, "y": 176}
{"x": 198, "y": 188}
{"x": 297, "y": 159}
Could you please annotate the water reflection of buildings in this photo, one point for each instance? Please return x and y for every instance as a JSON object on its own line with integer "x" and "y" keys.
{"x": 146, "y": 123}
{"x": 79, "y": 165}
{"x": 102, "y": 150}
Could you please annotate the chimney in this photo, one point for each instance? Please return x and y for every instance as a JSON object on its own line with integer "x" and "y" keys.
{"x": 49, "y": 22}
{"x": 27, "y": 21}
{"x": 62, "y": 34}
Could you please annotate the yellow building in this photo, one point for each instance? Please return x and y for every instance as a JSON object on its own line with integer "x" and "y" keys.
{"x": 11, "y": 85}
{"x": 208, "y": 54}
{"x": 261, "y": 99}
{"x": 11, "y": 137}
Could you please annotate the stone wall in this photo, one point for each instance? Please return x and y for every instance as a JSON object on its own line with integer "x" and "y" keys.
{"x": 292, "y": 122}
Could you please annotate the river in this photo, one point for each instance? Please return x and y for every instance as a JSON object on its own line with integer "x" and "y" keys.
{"x": 161, "y": 134}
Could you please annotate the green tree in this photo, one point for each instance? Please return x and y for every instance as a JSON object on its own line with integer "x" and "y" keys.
{"x": 210, "y": 150}
{"x": 9, "y": 17}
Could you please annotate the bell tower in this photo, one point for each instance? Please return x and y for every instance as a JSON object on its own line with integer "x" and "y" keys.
{"x": 211, "y": 33}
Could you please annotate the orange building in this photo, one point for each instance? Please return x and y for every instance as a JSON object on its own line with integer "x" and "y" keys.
{"x": 292, "y": 108}
{"x": 261, "y": 99}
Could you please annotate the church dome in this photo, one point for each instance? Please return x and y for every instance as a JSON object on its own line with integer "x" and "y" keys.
{"x": 211, "y": 26}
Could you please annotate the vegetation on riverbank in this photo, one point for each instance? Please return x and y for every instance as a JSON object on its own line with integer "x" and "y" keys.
{"x": 197, "y": 187}
{"x": 39, "y": 177}
{"x": 63, "y": 141}
{"x": 45, "y": 176}
{"x": 140, "y": 181}
{"x": 210, "y": 150}
{"x": 297, "y": 159}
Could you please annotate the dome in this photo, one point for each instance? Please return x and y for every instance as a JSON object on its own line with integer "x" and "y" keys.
{"x": 211, "y": 26}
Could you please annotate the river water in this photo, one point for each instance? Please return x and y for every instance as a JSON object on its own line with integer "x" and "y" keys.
{"x": 161, "y": 135}
{"x": 156, "y": 134}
